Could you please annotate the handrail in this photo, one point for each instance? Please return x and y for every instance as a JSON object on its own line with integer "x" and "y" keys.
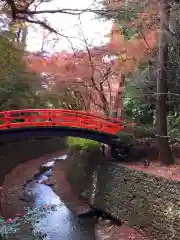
{"x": 58, "y": 117}
{"x": 64, "y": 111}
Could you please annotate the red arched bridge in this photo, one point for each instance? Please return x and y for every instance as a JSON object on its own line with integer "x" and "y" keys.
{"x": 46, "y": 122}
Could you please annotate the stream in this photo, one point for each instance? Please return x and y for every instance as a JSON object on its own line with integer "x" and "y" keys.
{"x": 61, "y": 223}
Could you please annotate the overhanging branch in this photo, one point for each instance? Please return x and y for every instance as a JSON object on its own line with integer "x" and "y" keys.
{"x": 15, "y": 10}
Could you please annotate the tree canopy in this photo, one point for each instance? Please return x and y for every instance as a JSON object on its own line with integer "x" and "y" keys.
{"x": 120, "y": 78}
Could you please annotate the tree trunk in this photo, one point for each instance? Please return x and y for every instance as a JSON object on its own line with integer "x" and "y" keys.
{"x": 165, "y": 154}
{"x": 24, "y": 36}
{"x": 117, "y": 109}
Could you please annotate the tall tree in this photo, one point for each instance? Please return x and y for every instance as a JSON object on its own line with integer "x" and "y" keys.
{"x": 165, "y": 154}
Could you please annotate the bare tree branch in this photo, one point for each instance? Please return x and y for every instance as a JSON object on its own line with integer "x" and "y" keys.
{"x": 12, "y": 5}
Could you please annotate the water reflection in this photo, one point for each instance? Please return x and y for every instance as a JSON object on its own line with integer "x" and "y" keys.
{"x": 59, "y": 224}
{"x": 62, "y": 224}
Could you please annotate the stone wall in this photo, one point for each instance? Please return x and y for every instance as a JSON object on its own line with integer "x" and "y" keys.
{"x": 81, "y": 165}
{"x": 14, "y": 153}
{"x": 142, "y": 200}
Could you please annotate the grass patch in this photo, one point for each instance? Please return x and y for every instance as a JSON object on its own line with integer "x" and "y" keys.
{"x": 82, "y": 143}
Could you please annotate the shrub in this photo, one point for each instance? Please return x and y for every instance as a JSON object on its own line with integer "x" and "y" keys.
{"x": 125, "y": 138}
{"x": 128, "y": 148}
{"x": 11, "y": 227}
{"x": 82, "y": 143}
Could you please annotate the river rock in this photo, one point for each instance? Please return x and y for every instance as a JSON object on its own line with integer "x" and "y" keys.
{"x": 27, "y": 182}
{"x": 84, "y": 195}
{"x": 49, "y": 181}
{"x": 36, "y": 174}
{"x": 103, "y": 222}
{"x": 91, "y": 213}
{"x": 86, "y": 213}
{"x": 55, "y": 187}
{"x": 48, "y": 173}
{"x": 47, "y": 166}
{"x": 24, "y": 199}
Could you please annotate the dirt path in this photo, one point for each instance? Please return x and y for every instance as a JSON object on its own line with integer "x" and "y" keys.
{"x": 156, "y": 168}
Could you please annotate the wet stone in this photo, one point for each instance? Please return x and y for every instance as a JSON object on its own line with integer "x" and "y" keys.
{"x": 48, "y": 173}
{"x": 49, "y": 181}
{"x": 104, "y": 222}
{"x": 24, "y": 199}
{"x": 27, "y": 182}
{"x": 47, "y": 166}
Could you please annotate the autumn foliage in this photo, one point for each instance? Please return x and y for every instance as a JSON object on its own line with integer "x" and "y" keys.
{"x": 101, "y": 79}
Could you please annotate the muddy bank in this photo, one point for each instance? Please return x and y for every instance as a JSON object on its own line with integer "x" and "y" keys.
{"x": 13, "y": 153}
{"x": 12, "y": 187}
{"x": 64, "y": 189}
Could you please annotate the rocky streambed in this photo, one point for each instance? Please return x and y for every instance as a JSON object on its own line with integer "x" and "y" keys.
{"x": 72, "y": 218}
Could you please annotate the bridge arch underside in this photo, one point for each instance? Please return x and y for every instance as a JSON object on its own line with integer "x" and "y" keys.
{"x": 20, "y": 145}
{"x": 15, "y": 134}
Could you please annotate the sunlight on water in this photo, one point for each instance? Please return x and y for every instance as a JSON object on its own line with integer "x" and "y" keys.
{"x": 62, "y": 157}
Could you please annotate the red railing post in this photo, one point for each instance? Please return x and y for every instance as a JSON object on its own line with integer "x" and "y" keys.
{"x": 6, "y": 118}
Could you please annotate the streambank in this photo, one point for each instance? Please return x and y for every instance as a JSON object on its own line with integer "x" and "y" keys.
{"x": 13, "y": 153}
{"x": 84, "y": 175}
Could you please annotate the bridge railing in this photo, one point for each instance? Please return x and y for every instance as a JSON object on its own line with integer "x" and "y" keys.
{"x": 58, "y": 117}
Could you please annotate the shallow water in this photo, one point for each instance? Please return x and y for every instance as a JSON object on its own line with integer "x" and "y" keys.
{"x": 59, "y": 224}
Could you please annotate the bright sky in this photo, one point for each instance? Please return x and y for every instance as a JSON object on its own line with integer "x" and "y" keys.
{"x": 93, "y": 29}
